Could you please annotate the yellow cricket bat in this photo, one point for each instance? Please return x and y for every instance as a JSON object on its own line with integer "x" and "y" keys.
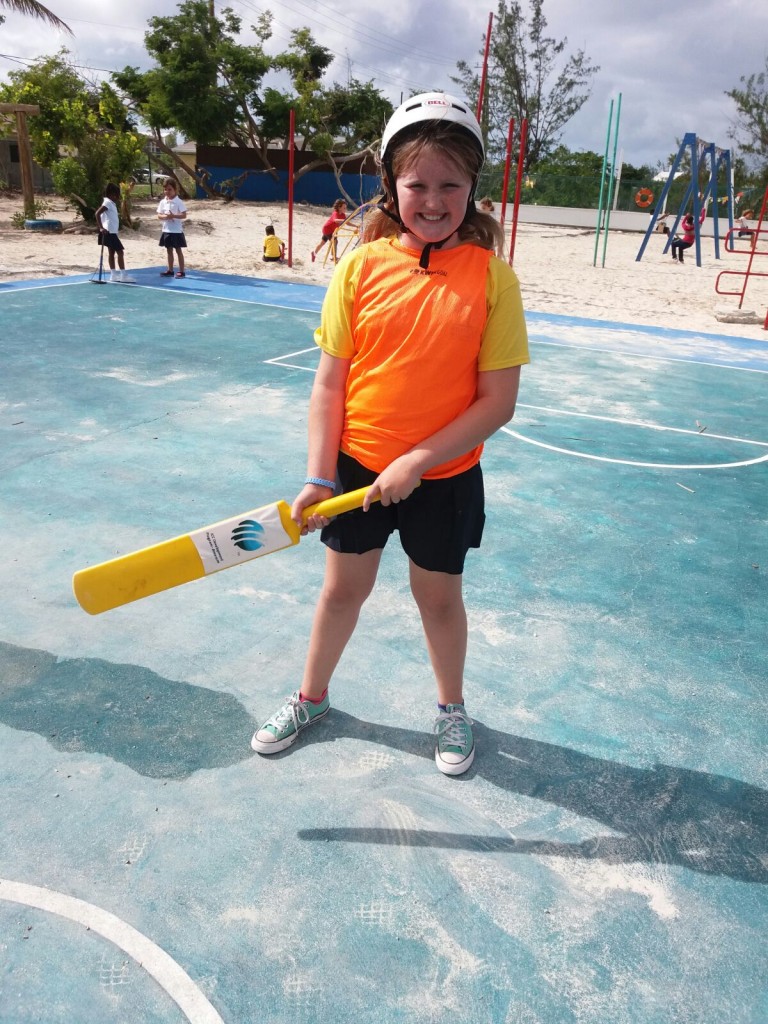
{"x": 194, "y": 555}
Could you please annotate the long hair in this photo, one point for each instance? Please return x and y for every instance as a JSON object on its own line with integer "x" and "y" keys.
{"x": 442, "y": 140}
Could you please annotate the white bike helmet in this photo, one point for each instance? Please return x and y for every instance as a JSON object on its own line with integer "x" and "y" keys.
{"x": 418, "y": 113}
{"x": 431, "y": 106}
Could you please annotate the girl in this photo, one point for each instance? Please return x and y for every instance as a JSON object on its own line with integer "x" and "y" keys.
{"x": 338, "y": 216}
{"x": 274, "y": 247}
{"x": 108, "y": 218}
{"x": 682, "y": 242}
{"x": 679, "y": 244}
{"x": 745, "y": 231}
{"x": 172, "y": 211}
{"x": 422, "y": 337}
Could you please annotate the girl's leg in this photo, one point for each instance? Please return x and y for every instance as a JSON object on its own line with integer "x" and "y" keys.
{"x": 440, "y": 602}
{"x": 169, "y": 256}
{"x": 349, "y": 579}
{"x": 441, "y": 605}
{"x": 180, "y": 257}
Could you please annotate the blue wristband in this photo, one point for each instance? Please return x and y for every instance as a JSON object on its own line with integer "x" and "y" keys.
{"x": 320, "y": 482}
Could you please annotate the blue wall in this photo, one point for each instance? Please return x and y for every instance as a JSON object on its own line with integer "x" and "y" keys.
{"x": 317, "y": 187}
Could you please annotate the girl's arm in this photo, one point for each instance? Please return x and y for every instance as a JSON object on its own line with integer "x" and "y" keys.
{"x": 493, "y": 407}
{"x": 326, "y": 421}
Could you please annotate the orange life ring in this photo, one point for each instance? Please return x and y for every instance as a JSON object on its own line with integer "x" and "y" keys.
{"x": 643, "y": 197}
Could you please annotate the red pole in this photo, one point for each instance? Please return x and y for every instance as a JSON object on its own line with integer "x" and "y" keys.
{"x": 485, "y": 68}
{"x": 291, "y": 132}
{"x": 507, "y": 162}
{"x": 518, "y": 185}
{"x": 753, "y": 250}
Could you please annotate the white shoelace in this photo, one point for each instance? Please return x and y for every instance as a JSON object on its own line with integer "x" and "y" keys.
{"x": 450, "y": 727}
{"x": 293, "y": 710}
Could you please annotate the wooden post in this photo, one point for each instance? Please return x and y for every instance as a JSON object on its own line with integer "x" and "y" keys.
{"x": 25, "y": 157}
{"x": 25, "y": 151}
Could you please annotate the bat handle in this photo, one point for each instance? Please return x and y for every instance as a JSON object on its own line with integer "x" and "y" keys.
{"x": 335, "y": 506}
{"x": 340, "y": 503}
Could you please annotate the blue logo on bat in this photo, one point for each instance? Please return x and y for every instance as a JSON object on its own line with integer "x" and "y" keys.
{"x": 248, "y": 535}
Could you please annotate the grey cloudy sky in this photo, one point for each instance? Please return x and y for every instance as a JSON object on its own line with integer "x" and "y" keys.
{"x": 671, "y": 61}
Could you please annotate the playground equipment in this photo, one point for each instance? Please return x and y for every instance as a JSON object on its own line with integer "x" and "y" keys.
{"x": 700, "y": 153}
{"x": 348, "y": 233}
{"x": 518, "y": 181}
{"x": 605, "y": 200}
{"x": 730, "y": 246}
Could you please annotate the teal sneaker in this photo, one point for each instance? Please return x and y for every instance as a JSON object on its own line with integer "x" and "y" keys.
{"x": 283, "y": 728}
{"x": 455, "y": 750}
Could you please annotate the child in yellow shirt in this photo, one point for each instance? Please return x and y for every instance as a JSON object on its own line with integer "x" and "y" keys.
{"x": 274, "y": 247}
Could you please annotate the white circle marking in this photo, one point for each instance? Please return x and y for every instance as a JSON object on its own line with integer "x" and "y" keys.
{"x": 155, "y": 961}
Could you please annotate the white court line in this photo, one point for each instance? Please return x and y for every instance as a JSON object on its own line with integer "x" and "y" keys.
{"x": 643, "y": 465}
{"x": 640, "y": 423}
{"x": 155, "y": 961}
{"x": 179, "y": 291}
{"x": 724, "y": 338}
{"x": 280, "y": 360}
{"x": 222, "y": 298}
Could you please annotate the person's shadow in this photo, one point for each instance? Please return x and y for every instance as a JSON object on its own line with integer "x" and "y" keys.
{"x": 159, "y": 727}
{"x": 164, "y": 728}
{"x": 666, "y": 815}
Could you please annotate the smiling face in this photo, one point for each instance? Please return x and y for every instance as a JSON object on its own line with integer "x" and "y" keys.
{"x": 170, "y": 190}
{"x": 432, "y": 194}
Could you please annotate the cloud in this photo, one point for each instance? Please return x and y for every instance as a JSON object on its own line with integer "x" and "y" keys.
{"x": 672, "y": 63}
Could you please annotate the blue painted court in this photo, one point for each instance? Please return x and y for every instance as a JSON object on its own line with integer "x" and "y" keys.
{"x": 605, "y": 859}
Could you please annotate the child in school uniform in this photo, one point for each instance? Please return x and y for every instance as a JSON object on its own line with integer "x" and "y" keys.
{"x": 108, "y": 218}
{"x": 172, "y": 212}
{"x": 745, "y": 231}
{"x": 422, "y": 338}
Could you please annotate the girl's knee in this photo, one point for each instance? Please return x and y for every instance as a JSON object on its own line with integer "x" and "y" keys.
{"x": 440, "y": 597}
{"x": 349, "y": 579}
{"x": 342, "y": 595}
{"x": 345, "y": 589}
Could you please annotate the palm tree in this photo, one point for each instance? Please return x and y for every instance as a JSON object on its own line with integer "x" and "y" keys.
{"x": 36, "y": 10}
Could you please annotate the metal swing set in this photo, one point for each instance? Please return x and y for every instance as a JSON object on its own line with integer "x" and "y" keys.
{"x": 701, "y": 154}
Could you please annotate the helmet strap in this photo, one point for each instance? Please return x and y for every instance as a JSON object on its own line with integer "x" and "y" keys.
{"x": 424, "y": 258}
{"x": 381, "y": 205}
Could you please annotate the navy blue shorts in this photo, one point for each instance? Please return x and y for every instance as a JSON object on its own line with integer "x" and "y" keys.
{"x": 111, "y": 241}
{"x": 173, "y": 240}
{"x": 438, "y": 523}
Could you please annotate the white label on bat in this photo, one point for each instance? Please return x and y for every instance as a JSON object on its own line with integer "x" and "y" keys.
{"x": 240, "y": 539}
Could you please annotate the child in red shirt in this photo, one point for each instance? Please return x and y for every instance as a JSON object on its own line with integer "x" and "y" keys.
{"x": 337, "y": 218}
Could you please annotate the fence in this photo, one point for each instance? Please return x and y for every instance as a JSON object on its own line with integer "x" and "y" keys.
{"x": 239, "y": 172}
{"x": 581, "y": 192}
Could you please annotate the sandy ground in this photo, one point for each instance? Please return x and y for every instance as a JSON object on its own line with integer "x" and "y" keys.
{"x": 555, "y": 265}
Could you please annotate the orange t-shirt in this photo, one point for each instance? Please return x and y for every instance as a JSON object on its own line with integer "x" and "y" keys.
{"x": 415, "y": 340}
